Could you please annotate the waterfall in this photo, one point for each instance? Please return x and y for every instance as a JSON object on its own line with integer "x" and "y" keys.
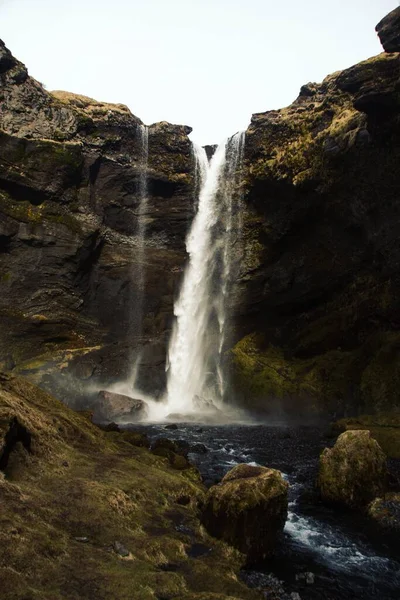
{"x": 140, "y": 274}
{"x": 195, "y": 374}
{"x": 231, "y": 236}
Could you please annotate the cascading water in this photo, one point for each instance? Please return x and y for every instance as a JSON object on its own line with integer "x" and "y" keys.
{"x": 232, "y": 235}
{"x": 195, "y": 375}
{"x": 140, "y": 274}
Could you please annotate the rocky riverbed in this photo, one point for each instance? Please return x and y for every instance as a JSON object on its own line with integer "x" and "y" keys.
{"x": 324, "y": 553}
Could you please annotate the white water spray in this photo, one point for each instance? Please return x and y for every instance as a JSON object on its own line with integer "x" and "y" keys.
{"x": 195, "y": 375}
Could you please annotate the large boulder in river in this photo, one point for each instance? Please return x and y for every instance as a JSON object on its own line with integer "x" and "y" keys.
{"x": 112, "y": 407}
{"x": 389, "y": 31}
{"x": 248, "y": 509}
{"x": 354, "y": 471}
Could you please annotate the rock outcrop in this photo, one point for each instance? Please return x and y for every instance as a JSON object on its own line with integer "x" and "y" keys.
{"x": 389, "y": 31}
{"x": 248, "y": 509}
{"x": 353, "y": 472}
{"x": 111, "y": 407}
{"x": 317, "y": 316}
{"x": 71, "y": 171}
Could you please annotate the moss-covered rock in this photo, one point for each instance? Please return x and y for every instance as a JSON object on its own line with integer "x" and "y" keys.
{"x": 384, "y": 428}
{"x": 248, "y": 509}
{"x": 353, "y": 472}
{"x": 386, "y": 512}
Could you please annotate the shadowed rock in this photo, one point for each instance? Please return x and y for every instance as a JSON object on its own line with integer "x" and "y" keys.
{"x": 118, "y": 407}
{"x": 354, "y": 471}
{"x": 248, "y": 509}
{"x": 388, "y": 31}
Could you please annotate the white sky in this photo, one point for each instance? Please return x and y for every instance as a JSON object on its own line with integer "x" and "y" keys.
{"x": 209, "y": 64}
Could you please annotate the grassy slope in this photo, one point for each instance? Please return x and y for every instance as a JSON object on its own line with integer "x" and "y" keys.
{"x": 78, "y": 481}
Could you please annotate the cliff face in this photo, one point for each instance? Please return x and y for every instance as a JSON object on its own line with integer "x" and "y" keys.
{"x": 71, "y": 174}
{"x": 321, "y": 273}
{"x": 316, "y": 302}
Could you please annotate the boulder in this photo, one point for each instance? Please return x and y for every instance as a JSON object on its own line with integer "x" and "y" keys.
{"x": 112, "y": 407}
{"x": 389, "y": 31}
{"x": 248, "y": 509}
{"x": 354, "y": 471}
{"x": 386, "y": 512}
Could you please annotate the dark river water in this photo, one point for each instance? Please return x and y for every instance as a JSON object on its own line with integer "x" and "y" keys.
{"x": 347, "y": 555}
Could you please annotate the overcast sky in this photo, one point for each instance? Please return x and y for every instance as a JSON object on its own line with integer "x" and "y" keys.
{"x": 209, "y": 64}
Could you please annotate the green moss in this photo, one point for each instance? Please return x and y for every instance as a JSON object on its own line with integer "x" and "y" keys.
{"x": 23, "y": 210}
{"x": 79, "y": 482}
{"x": 263, "y": 375}
{"x": 380, "y": 381}
{"x": 384, "y": 428}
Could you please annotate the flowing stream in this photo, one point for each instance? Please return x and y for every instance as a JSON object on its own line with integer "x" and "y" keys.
{"x": 196, "y": 381}
{"x": 348, "y": 557}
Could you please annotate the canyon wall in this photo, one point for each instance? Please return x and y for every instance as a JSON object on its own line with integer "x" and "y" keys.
{"x": 315, "y": 308}
{"x": 319, "y": 327}
{"x": 71, "y": 172}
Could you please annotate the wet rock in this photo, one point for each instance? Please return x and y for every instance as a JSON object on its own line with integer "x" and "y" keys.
{"x": 248, "y": 509}
{"x": 164, "y": 444}
{"x": 82, "y": 540}
{"x": 198, "y": 449}
{"x": 295, "y": 596}
{"x": 388, "y": 31}
{"x": 310, "y": 578}
{"x": 386, "y": 512}
{"x": 354, "y": 471}
{"x": 110, "y": 407}
{"x": 178, "y": 462}
{"x": 172, "y": 426}
{"x": 183, "y": 447}
{"x": 120, "y": 549}
{"x": 175, "y": 451}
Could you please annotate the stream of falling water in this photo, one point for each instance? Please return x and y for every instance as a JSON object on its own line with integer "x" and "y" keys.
{"x": 196, "y": 381}
{"x": 140, "y": 273}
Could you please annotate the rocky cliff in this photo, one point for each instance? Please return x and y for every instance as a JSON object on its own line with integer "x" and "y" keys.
{"x": 71, "y": 171}
{"x": 321, "y": 274}
{"x": 316, "y": 302}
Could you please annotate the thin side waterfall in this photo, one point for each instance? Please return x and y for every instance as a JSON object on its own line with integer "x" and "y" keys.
{"x": 140, "y": 273}
{"x": 231, "y": 197}
{"x": 195, "y": 375}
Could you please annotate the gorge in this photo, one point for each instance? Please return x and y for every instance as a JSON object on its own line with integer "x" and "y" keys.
{"x": 255, "y": 281}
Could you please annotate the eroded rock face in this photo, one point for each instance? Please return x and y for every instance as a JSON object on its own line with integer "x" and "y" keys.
{"x": 353, "y": 472}
{"x": 248, "y": 509}
{"x": 389, "y": 31}
{"x": 119, "y": 408}
{"x": 316, "y": 316}
{"x": 70, "y": 176}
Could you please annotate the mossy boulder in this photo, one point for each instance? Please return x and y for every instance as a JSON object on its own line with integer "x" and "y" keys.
{"x": 384, "y": 428}
{"x": 386, "y": 512}
{"x": 248, "y": 509}
{"x": 353, "y": 472}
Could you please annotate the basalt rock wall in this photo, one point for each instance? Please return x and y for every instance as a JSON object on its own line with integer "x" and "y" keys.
{"x": 71, "y": 179}
{"x": 318, "y": 329}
